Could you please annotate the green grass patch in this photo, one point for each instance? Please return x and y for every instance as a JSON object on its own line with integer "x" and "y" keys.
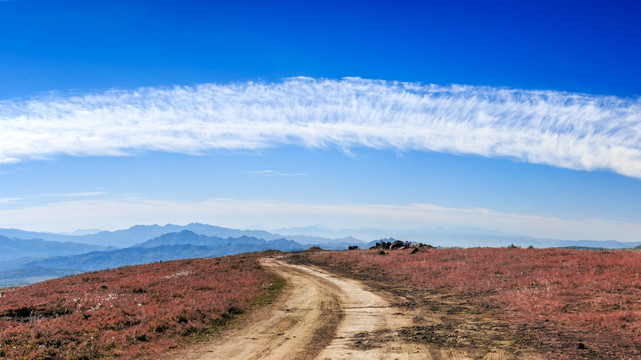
{"x": 274, "y": 289}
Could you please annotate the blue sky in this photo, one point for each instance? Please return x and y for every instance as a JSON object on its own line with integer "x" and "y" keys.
{"x": 522, "y": 117}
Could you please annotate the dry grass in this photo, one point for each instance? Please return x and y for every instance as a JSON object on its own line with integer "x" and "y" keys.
{"x": 129, "y": 312}
{"x": 580, "y": 304}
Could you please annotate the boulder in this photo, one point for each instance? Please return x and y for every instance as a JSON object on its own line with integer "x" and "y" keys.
{"x": 397, "y": 245}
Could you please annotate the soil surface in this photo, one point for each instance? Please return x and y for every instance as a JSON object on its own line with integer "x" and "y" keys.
{"x": 321, "y": 315}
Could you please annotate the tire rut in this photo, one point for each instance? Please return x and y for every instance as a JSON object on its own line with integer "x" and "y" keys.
{"x": 318, "y": 316}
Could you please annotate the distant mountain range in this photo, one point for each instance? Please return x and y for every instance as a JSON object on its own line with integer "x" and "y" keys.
{"x": 163, "y": 248}
{"x": 11, "y": 249}
{"x": 29, "y": 261}
{"x": 139, "y": 233}
{"x": 186, "y": 237}
{"x": 27, "y": 257}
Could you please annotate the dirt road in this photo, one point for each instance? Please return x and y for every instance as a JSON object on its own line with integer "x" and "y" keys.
{"x": 322, "y": 316}
{"x": 319, "y": 316}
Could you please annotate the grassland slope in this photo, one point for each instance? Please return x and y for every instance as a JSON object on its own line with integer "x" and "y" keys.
{"x": 130, "y": 312}
{"x": 566, "y": 304}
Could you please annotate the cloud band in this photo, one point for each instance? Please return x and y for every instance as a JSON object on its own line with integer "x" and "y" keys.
{"x": 575, "y": 131}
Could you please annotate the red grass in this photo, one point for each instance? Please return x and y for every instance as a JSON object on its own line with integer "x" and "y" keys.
{"x": 130, "y": 312}
{"x": 593, "y": 296}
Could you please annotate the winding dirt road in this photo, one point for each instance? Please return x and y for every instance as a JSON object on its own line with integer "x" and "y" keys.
{"x": 319, "y": 316}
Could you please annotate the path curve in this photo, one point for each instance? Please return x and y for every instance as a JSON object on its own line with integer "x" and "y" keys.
{"x": 319, "y": 316}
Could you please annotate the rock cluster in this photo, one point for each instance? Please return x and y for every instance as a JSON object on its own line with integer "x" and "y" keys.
{"x": 400, "y": 245}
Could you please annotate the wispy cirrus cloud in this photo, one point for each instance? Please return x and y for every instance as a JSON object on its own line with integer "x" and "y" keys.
{"x": 274, "y": 173}
{"x": 575, "y": 131}
{"x": 12, "y": 200}
{"x": 78, "y": 194}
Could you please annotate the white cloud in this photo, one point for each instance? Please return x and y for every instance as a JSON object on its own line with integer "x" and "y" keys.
{"x": 121, "y": 213}
{"x": 274, "y": 173}
{"x": 12, "y": 200}
{"x": 576, "y": 131}
{"x": 79, "y": 194}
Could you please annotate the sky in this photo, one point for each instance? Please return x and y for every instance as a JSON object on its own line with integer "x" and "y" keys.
{"x": 519, "y": 117}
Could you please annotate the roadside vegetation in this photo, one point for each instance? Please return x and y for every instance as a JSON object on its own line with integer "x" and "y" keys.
{"x": 130, "y": 312}
{"x": 567, "y": 304}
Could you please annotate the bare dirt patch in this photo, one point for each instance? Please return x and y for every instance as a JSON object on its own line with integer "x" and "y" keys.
{"x": 445, "y": 327}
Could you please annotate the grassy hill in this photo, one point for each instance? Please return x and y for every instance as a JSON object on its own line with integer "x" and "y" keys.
{"x": 570, "y": 304}
{"x": 129, "y": 312}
